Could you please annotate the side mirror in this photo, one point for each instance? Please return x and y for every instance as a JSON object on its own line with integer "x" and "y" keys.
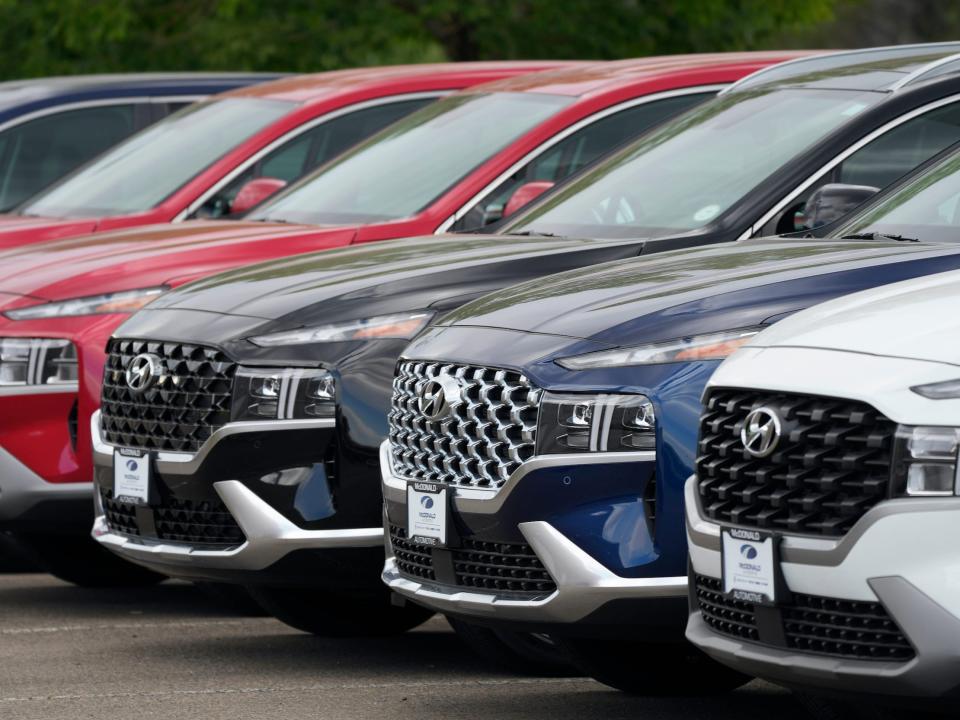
{"x": 526, "y": 193}
{"x": 254, "y": 193}
{"x": 831, "y": 202}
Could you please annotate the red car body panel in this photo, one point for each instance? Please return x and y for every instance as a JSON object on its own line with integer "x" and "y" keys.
{"x": 175, "y": 254}
{"x": 314, "y": 96}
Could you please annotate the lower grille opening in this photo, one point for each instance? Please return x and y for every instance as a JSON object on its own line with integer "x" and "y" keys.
{"x": 812, "y": 624}
{"x": 206, "y": 522}
{"x": 507, "y": 568}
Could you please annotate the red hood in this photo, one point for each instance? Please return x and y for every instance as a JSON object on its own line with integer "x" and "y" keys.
{"x": 18, "y": 230}
{"x": 153, "y": 255}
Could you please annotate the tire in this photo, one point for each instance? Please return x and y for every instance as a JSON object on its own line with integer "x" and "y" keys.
{"x": 328, "y": 614}
{"x": 652, "y": 669}
{"x": 515, "y": 652}
{"x": 14, "y": 558}
{"x": 235, "y": 599}
{"x": 81, "y": 561}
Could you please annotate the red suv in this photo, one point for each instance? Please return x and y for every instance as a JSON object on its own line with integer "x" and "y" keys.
{"x": 460, "y": 163}
{"x": 221, "y": 156}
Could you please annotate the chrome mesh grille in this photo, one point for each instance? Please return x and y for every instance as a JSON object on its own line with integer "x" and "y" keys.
{"x": 485, "y": 437}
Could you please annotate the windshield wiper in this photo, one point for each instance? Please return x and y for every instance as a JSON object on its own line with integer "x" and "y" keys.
{"x": 532, "y": 233}
{"x": 273, "y": 220}
{"x": 878, "y": 236}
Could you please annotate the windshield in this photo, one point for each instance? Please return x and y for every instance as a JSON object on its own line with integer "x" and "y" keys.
{"x": 147, "y": 168}
{"x": 685, "y": 174}
{"x": 405, "y": 168}
{"x": 927, "y": 208}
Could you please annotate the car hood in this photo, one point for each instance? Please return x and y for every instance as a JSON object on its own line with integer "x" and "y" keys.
{"x": 372, "y": 278}
{"x": 145, "y": 256}
{"x": 16, "y": 230}
{"x": 705, "y": 289}
{"x": 913, "y": 319}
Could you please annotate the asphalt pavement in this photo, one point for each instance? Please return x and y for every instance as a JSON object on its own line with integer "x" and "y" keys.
{"x": 168, "y": 652}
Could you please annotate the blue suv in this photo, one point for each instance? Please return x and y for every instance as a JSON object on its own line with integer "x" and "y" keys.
{"x": 552, "y": 426}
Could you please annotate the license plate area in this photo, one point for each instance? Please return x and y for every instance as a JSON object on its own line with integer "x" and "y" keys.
{"x": 428, "y": 514}
{"x": 131, "y": 476}
{"x": 750, "y": 565}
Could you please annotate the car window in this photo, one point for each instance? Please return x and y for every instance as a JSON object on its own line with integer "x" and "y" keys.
{"x": 408, "y": 166}
{"x": 574, "y": 153}
{"x": 926, "y": 208}
{"x": 37, "y": 153}
{"x": 685, "y": 174}
{"x": 144, "y": 170}
{"x": 312, "y": 148}
{"x": 882, "y": 161}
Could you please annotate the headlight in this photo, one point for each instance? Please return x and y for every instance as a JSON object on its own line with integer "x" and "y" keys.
{"x": 714, "y": 346}
{"x": 949, "y": 390}
{"x": 119, "y": 302}
{"x": 595, "y": 423}
{"x": 925, "y": 461}
{"x": 37, "y": 361}
{"x": 265, "y": 394}
{"x": 400, "y": 325}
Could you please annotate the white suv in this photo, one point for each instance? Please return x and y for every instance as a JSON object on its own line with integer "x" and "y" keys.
{"x": 824, "y": 516}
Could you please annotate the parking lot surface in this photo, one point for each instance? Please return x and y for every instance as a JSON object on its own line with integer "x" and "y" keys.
{"x": 168, "y": 652}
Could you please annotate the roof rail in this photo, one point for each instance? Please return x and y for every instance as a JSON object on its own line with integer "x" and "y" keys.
{"x": 749, "y": 79}
{"x": 929, "y": 70}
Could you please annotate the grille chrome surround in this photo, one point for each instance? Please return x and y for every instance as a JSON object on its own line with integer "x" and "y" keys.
{"x": 814, "y": 625}
{"x": 489, "y": 432}
{"x": 832, "y": 464}
{"x": 189, "y": 402}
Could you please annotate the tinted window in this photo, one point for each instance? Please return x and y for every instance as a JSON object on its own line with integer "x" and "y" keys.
{"x": 575, "y": 152}
{"x": 685, "y": 174}
{"x": 312, "y": 148}
{"x": 144, "y": 170}
{"x": 409, "y": 165}
{"x": 37, "y": 153}
{"x": 927, "y": 208}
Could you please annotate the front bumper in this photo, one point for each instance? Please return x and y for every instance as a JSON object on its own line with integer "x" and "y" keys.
{"x": 28, "y": 503}
{"x": 587, "y": 592}
{"x": 900, "y": 554}
{"x": 269, "y": 536}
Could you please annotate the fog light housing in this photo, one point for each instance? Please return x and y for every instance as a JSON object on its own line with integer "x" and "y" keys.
{"x": 283, "y": 394}
{"x": 575, "y": 423}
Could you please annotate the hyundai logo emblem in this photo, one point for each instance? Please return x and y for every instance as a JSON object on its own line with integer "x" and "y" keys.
{"x": 132, "y": 465}
{"x": 426, "y": 502}
{"x": 143, "y": 372}
{"x": 748, "y": 551}
{"x": 437, "y": 396}
{"x": 761, "y": 432}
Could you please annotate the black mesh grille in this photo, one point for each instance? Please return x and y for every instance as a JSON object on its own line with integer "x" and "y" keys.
{"x": 206, "y": 522}
{"x": 844, "y": 628}
{"x": 497, "y": 567}
{"x": 726, "y": 616}
{"x": 412, "y": 560}
{"x": 501, "y": 567}
{"x": 832, "y": 463}
{"x": 121, "y": 517}
{"x": 816, "y": 625}
{"x": 187, "y": 403}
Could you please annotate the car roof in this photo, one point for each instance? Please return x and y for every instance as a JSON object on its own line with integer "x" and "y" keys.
{"x": 31, "y": 94}
{"x": 597, "y": 77}
{"x": 880, "y": 69}
{"x": 320, "y": 86}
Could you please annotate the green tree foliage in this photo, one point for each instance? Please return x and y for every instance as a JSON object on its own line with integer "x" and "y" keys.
{"x": 43, "y": 37}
